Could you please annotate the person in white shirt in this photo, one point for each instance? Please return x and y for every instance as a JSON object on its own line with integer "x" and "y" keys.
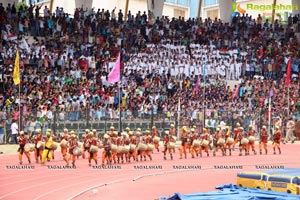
{"x": 14, "y": 132}
{"x": 238, "y": 66}
{"x": 231, "y": 71}
{"x": 290, "y": 127}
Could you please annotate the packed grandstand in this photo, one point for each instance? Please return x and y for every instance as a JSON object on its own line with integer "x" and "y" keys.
{"x": 168, "y": 66}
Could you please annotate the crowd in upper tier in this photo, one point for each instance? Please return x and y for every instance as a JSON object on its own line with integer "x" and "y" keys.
{"x": 64, "y": 69}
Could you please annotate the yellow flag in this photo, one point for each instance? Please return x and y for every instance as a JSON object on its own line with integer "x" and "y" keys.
{"x": 16, "y": 74}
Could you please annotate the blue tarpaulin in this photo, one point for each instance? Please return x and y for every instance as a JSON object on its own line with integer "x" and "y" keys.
{"x": 233, "y": 192}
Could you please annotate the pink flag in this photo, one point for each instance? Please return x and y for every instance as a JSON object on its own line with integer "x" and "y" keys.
{"x": 288, "y": 73}
{"x": 114, "y": 75}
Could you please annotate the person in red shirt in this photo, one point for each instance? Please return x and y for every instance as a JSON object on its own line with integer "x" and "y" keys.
{"x": 204, "y": 142}
{"x": 132, "y": 151}
{"x": 236, "y": 133}
{"x": 86, "y": 145}
{"x": 251, "y": 136}
{"x": 194, "y": 147}
{"x": 263, "y": 140}
{"x": 172, "y": 132}
{"x": 155, "y": 134}
{"x": 228, "y": 140}
{"x": 166, "y": 141}
{"x": 63, "y": 146}
{"x": 276, "y": 140}
{"x": 92, "y": 140}
{"x": 73, "y": 143}
{"x": 219, "y": 142}
{"x": 106, "y": 154}
{"x": 184, "y": 142}
{"x": 243, "y": 141}
{"x": 119, "y": 143}
{"x": 149, "y": 142}
{"x": 113, "y": 139}
{"x": 22, "y": 140}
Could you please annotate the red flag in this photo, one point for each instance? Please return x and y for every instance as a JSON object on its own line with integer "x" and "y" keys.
{"x": 288, "y": 73}
{"x": 114, "y": 75}
{"x": 236, "y": 92}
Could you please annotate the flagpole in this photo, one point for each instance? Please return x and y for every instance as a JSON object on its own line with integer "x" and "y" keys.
{"x": 16, "y": 79}
{"x": 178, "y": 116}
{"x": 269, "y": 115}
{"x": 288, "y": 101}
{"x": 19, "y": 105}
{"x": 120, "y": 110}
{"x": 288, "y": 80}
{"x": 203, "y": 104}
{"x": 115, "y": 76}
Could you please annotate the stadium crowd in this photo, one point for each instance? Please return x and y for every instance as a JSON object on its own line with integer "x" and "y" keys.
{"x": 165, "y": 62}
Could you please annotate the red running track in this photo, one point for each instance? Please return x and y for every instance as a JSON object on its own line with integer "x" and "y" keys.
{"x": 84, "y": 182}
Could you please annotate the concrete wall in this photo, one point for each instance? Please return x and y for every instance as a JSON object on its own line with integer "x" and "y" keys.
{"x": 5, "y": 2}
{"x": 226, "y": 10}
{"x": 175, "y": 11}
{"x": 296, "y": 2}
{"x": 160, "y": 8}
{"x": 156, "y": 6}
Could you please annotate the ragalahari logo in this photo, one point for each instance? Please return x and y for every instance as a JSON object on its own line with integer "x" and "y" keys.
{"x": 237, "y": 10}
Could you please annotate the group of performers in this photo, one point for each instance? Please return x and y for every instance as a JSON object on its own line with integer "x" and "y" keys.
{"x": 135, "y": 146}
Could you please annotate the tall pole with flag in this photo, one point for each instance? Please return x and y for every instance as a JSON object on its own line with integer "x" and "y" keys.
{"x": 17, "y": 81}
{"x": 288, "y": 80}
{"x": 115, "y": 77}
{"x": 270, "y": 110}
{"x": 178, "y": 116}
{"x": 204, "y": 88}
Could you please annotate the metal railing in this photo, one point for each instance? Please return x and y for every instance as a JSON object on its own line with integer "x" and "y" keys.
{"x": 85, "y": 119}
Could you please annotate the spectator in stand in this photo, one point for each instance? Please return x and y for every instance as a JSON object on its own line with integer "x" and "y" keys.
{"x": 67, "y": 67}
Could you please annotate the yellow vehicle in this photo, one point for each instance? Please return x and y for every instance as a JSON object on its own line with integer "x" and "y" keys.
{"x": 283, "y": 183}
{"x": 252, "y": 179}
